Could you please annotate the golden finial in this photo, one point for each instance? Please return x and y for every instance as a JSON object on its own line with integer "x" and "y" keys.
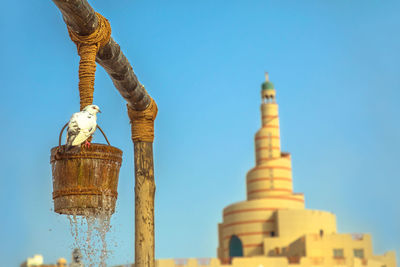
{"x": 266, "y": 77}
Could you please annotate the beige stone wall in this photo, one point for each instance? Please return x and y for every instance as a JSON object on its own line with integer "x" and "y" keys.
{"x": 269, "y": 262}
{"x": 322, "y": 247}
{"x": 389, "y": 258}
{"x": 296, "y": 223}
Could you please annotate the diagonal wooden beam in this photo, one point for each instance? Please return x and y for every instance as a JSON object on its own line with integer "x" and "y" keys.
{"x": 80, "y": 17}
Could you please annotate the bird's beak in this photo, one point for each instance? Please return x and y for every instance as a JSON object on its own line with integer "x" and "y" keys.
{"x": 99, "y": 110}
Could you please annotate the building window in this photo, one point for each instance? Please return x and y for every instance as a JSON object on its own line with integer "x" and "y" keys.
{"x": 272, "y": 233}
{"x": 338, "y": 253}
{"x": 359, "y": 253}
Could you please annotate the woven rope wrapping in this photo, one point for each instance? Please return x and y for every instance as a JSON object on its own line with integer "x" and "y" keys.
{"x": 88, "y": 46}
{"x": 142, "y": 122}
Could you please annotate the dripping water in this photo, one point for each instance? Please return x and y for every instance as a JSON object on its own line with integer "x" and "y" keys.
{"x": 89, "y": 230}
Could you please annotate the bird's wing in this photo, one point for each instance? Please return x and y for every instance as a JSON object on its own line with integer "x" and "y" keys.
{"x": 81, "y": 126}
{"x": 73, "y": 129}
{"x": 80, "y": 138}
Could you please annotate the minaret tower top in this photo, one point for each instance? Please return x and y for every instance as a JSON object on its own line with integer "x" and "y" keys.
{"x": 268, "y": 90}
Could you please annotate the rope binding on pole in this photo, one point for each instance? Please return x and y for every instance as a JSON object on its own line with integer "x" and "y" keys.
{"x": 88, "y": 46}
{"x": 142, "y": 122}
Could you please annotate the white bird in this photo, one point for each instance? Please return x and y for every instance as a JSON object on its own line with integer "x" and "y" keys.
{"x": 81, "y": 126}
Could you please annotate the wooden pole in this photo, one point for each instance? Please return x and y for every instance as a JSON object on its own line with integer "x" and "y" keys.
{"x": 144, "y": 205}
{"x": 80, "y": 18}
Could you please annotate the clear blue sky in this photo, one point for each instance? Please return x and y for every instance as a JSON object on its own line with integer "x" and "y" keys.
{"x": 335, "y": 65}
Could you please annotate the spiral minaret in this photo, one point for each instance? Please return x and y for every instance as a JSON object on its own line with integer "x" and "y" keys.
{"x": 272, "y": 175}
{"x": 269, "y": 188}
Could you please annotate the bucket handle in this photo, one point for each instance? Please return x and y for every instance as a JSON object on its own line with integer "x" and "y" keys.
{"x": 62, "y": 130}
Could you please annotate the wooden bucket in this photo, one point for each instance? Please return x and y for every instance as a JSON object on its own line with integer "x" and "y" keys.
{"x": 85, "y": 183}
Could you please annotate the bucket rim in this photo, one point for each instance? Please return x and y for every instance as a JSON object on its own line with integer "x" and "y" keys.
{"x": 95, "y": 151}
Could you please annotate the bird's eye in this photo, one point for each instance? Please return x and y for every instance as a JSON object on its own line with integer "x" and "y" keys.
{"x": 93, "y": 107}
